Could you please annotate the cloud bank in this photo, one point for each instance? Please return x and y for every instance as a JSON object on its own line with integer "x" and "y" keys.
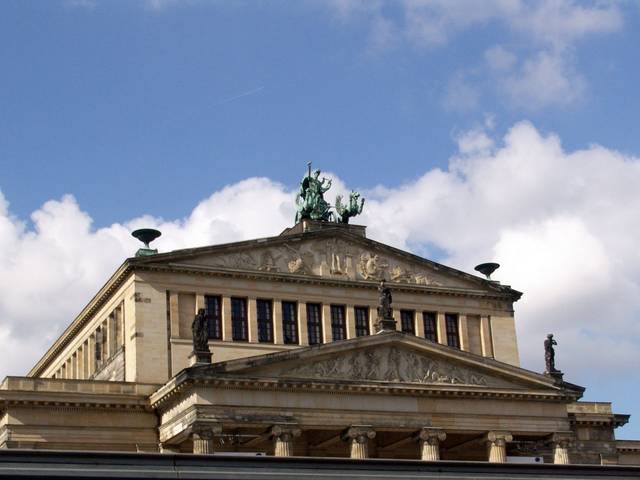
{"x": 562, "y": 224}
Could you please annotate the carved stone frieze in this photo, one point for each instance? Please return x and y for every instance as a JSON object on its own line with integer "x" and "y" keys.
{"x": 333, "y": 258}
{"x": 388, "y": 364}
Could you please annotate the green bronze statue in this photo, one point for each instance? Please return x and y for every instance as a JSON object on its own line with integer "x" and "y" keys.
{"x": 310, "y": 202}
{"x": 346, "y": 211}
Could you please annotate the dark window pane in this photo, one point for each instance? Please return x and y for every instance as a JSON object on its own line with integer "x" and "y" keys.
{"x": 338, "y": 325}
{"x": 239, "y": 319}
{"x": 314, "y": 325}
{"x": 265, "y": 321}
{"x": 407, "y": 318}
{"x": 289, "y": 322}
{"x": 212, "y": 309}
{"x": 430, "y": 326}
{"x": 362, "y": 321}
{"x": 451, "y": 321}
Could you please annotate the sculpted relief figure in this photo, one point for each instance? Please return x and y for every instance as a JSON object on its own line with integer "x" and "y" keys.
{"x": 371, "y": 267}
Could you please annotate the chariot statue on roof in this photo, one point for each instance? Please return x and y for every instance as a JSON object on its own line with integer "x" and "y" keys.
{"x": 310, "y": 202}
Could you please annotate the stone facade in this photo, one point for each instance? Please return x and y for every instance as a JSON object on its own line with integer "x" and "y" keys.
{"x": 298, "y": 368}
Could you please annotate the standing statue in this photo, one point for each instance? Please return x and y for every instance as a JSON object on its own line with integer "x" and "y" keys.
{"x": 200, "y": 331}
{"x": 310, "y": 202}
{"x": 385, "y": 321}
{"x": 349, "y": 210}
{"x": 550, "y": 354}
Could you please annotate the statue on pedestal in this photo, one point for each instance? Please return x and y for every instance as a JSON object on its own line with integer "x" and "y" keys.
{"x": 386, "y": 321}
{"x": 200, "y": 332}
{"x": 550, "y": 357}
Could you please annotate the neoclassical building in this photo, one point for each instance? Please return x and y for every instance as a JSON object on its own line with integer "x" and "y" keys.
{"x": 300, "y": 363}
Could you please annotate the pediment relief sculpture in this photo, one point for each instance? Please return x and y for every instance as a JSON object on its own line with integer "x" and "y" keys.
{"x": 392, "y": 364}
{"x": 332, "y": 258}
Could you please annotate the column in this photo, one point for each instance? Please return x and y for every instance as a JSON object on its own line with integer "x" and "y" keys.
{"x": 227, "y": 331}
{"x": 485, "y": 336}
{"x": 497, "y": 446}
{"x": 302, "y": 324}
{"x": 277, "y": 322}
{"x": 350, "y": 318}
{"x": 419, "y": 322}
{"x": 327, "y": 333}
{"x": 561, "y": 442}
{"x": 442, "y": 328}
{"x": 463, "y": 331}
{"x": 202, "y": 435}
{"x": 430, "y": 439}
{"x": 252, "y": 319}
{"x": 174, "y": 314}
{"x": 358, "y": 437}
{"x": 397, "y": 319}
{"x": 113, "y": 344}
{"x": 81, "y": 370}
{"x": 91, "y": 355}
{"x": 283, "y": 436}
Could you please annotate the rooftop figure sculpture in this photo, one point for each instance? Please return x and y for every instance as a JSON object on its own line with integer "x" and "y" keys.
{"x": 550, "y": 356}
{"x": 310, "y": 202}
{"x": 348, "y": 210}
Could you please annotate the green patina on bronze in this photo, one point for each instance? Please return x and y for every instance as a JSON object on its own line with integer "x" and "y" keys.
{"x": 310, "y": 202}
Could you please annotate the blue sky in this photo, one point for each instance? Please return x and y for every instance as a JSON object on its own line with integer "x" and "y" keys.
{"x": 506, "y": 130}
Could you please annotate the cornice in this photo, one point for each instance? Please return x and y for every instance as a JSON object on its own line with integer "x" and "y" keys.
{"x": 178, "y": 389}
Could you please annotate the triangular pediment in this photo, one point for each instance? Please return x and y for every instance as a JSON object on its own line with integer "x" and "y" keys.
{"x": 333, "y": 254}
{"x": 388, "y": 358}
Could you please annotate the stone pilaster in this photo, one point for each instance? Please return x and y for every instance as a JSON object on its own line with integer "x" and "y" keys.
{"x": 283, "y": 436}
{"x": 358, "y": 437}
{"x": 497, "y": 446}
{"x": 202, "y": 436}
{"x": 561, "y": 442}
{"x": 429, "y": 439}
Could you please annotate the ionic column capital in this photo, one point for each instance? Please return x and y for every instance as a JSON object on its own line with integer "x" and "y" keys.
{"x": 359, "y": 433}
{"x": 358, "y": 436}
{"x": 498, "y": 437}
{"x": 285, "y": 432}
{"x": 431, "y": 435}
{"x": 564, "y": 439}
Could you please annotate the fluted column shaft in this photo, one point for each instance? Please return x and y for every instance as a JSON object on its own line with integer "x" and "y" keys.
{"x": 283, "y": 437}
{"x": 202, "y": 436}
{"x": 358, "y": 437}
{"x": 561, "y": 443}
{"x": 497, "y": 446}
{"x": 429, "y": 439}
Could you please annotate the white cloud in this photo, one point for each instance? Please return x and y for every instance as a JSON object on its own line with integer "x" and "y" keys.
{"x": 562, "y": 224}
{"x": 543, "y": 80}
{"x": 538, "y": 70}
